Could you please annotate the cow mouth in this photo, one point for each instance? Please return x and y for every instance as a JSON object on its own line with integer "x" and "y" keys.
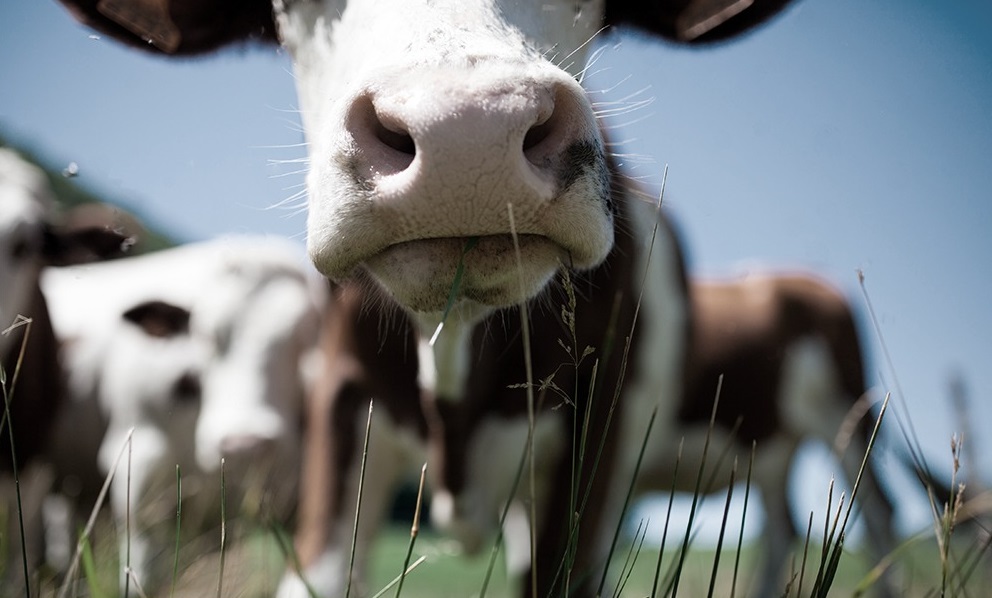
{"x": 421, "y": 274}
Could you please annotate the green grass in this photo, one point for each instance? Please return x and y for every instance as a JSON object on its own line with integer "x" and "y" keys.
{"x": 254, "y": 565}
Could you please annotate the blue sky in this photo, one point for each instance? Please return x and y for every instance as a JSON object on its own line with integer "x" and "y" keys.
{"x": 846, "y": 135}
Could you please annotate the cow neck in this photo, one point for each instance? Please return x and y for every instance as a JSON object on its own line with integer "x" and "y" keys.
{"x": 444, "y": 363}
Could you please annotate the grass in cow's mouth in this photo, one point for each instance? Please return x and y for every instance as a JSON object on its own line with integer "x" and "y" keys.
{"x": 456, "y": 284}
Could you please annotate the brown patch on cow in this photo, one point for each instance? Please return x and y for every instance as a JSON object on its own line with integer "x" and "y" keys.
{"x": 369, "y": 354}
{"x": 743, "y": 329}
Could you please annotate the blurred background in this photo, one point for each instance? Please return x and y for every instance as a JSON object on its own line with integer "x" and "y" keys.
{"x": 845, "y": 136}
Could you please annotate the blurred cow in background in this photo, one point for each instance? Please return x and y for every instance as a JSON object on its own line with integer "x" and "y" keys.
{"x": 198, "y": 354}
{"x": 32, "y": 236}
{"x": 787, "y": 349}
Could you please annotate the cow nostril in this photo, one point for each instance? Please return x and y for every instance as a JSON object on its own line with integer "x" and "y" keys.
{"x": 544, "y": 138}
{"x": 537, "y": 134}
{"x": 384, "y": 142}
{"x": 394, "y": 137}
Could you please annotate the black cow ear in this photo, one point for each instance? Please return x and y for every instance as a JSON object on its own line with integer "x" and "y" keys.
{"x": 90, "y": 244}
{"x": 180, "y": 27}
{"x": 159, "y": 319}
{"x": 693, "y": 21}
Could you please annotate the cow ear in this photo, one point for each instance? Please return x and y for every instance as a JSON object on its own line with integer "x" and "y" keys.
{"x": 90, "y": 244}
{"x": 159, "y": 319}
{"x": 180, "y": 27}
{"x": 693, "y": 21}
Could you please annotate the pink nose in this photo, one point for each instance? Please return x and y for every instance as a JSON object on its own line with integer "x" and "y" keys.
{"x": 432, "y": 157}
{"x": 449, "y": 154}
{"x": 529, "y": 123}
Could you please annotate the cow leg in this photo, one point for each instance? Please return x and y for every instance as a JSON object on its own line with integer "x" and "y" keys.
{"x": 772, "y": 461}
{"x": 324, "y": 544}
{"x": 875, "y": 506}
{"x": 147, "y": 454}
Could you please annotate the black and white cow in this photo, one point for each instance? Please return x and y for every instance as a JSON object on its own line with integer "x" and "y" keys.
{"x": 198, "y": 354}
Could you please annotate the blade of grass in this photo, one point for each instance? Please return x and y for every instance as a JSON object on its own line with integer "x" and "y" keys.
{"x": 740, "y": 536}
{"x": 396, "y": 579}
{"x": 635, "y": 550}
{"x": 358, "y": 504}
{"x": 90, "y": 572}
{"x": 802, "y": 566}
{"x": 668, "y": 517}
{"x": 529, "y": 369}
{"x": 137, "y": 584}
{"x": 723, "y": 529}
{"x": 456, "y": 283}
{"x": 903, "y": 420}
{"x": 91, "y": 522}
{"x": 7, "y": 397}
{"x": 223, "y": 528}
{"x": 822, "y": 584}
{"x": 179, "y": 518}
{"x": 626, "y": 503}
{"x": 289, "y": 554}
{"x": 699, "y": 480}
{"x": 414, "y": 530}
{"x": 127, "y": 526}
{"x": 854, "y": 491}
{"x": 518, "y": 477}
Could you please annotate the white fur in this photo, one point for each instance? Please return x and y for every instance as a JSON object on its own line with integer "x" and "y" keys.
{"x": 25, "y": 206}
{"x": 466, "y": 80}
{"x": 254, "y": 318}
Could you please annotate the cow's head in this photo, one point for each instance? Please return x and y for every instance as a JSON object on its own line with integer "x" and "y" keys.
{"x": 427, "y": 120}
{"x": 259, "y": 324}
{"x": 31, "y": 237}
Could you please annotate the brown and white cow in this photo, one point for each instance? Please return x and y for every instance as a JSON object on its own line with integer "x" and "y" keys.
{"x": 788, "y": 351}
{"x": 31, "y": 237}
{"x": 374, "y": 353}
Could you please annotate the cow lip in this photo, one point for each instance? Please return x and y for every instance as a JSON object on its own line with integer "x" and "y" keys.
{"x": 421, "y": 272}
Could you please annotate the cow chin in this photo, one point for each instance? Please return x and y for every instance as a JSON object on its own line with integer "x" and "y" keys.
{"x": 420, "y": 274}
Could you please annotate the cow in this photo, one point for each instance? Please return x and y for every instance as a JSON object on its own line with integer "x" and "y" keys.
{"x": 31, "y": 237}
{"x": 188, "y": 356}
{"x": 451, "y": 141}
{"x": 779, "y": 350}
{"x": 374, "y": 352}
